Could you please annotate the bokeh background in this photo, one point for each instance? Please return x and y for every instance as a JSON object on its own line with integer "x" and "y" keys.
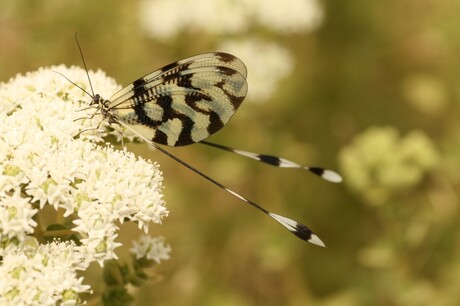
{"x": 371, "y": 89}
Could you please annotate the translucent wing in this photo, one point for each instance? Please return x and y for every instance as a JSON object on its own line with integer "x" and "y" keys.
{"x": 183, "y": 102}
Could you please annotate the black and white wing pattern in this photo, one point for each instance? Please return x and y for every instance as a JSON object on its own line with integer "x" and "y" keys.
{"x": 183, "y": 102}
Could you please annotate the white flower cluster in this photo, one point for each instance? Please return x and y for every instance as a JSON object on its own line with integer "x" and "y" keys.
{"x": 151, "y": 248}
{"x": 268, "y": 62}
{"x": 165, "y": 19}
{"x": 42, "y": 275}
{"x": 45, "y": 161}
{"x": 379, "y": 162}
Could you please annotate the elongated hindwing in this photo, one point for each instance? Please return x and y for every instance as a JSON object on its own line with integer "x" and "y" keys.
{"x": 184, "y": 103}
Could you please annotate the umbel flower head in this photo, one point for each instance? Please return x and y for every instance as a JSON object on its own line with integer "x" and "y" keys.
{"x": 379, "y": 162}
{"x": 48, "y": 163}
{"x": 238, "y": 27}
{"x": 165, "y": 19}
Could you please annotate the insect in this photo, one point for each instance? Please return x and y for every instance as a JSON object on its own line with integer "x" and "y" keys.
{"x": 184, "y": 103}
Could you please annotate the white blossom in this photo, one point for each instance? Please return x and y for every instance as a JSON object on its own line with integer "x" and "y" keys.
{"x": 287, "y": 16}
{"x": 151, "y": 248}
{"x": 45, "y": 160}
{"x": 42, "y": 275}
{"x": 165, "y": 19}
{"x": 16, "y": 214}
{"x": 380, "y": 162}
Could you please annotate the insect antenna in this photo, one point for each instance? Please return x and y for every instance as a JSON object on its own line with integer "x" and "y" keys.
{"x": 86, "y": 69}
{"x": 73, "y": 83}
{"x": 83, "y": 109}
{"x": 280, "y": 162}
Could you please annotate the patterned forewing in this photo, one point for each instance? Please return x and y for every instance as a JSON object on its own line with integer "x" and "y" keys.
{"x": 184, "y": 102}
{"x": 212, "y": 59}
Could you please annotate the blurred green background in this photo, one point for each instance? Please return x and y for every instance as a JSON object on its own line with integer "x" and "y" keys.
{"x": 372, "y": 91}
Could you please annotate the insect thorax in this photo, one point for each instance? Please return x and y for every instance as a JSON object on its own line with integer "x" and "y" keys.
{"x": 103, "y": 105}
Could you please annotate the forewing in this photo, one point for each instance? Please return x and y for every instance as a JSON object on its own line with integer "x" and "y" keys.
{"x": 183, "y": 102}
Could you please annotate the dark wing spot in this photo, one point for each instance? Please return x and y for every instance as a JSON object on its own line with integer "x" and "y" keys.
{"x": 164, "y": 101}
{"x": 160, "y": 137}
{"x": 185, "y": 136}
{"x": 269, "y": 159}
{"x": 302, "y": 232}
{"x": 215, "y": 123}
{"x": 317, "y": 171}
{"x": 225, "y": 57}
